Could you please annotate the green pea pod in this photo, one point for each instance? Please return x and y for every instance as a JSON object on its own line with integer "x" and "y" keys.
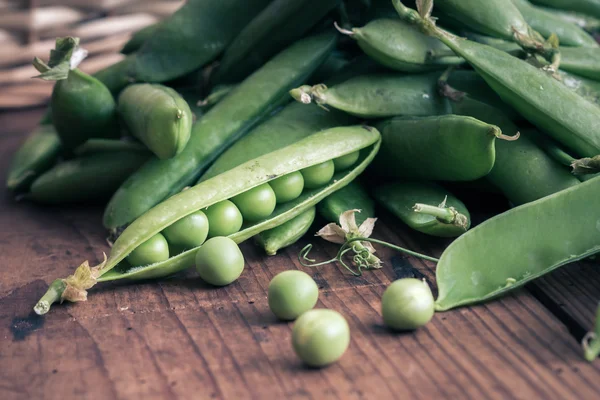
{"x": 313, "y": 150}
{"x": 139, "y": 38}
{"x": 582, "y": 61}
{"x": 535, "y": 94}
{"x": 158, "y": 116}
{"x": 253, "y": 100}
{"x": 82, "y": 106}
{"x": 400, "y": 46}
{"x": 351, "y": 197}
{"x": 35, "y": 156}
{"x": 584, "y": 21}
{"x": 91, "y": 178}
{"x": 515, "y": 247}
{"x": 445, "y": 148}
{"x": 589, "y": 7}
{"x": 425, "y": 207}
{"x": 546, "y": 24}
{"x": 287, "y": 233}
{"x": 586, "y": 88}
{"x": 217, "y": 94}
{"x": 333, "y": 65}
{"x": 95, "y": 146}
{"x": 279, "y": 24}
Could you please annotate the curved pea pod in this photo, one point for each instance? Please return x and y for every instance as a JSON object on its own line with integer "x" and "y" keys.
{"x": 540, "y": 98}
{"x": 313, "y": 150}
{"x": 546, "y": 24}
{"x": 35, "y": 156}
{"x": 515, "y": 247}
{"x": 400, "y": 46}
{"x": 351, "y": 197}
{"x": 286, "y": 234}
{"x": 248, "y": 104}
{"x": 91, "y": 178}
{"x": 158, "y": 116}
{"x": 425, "y": 207}
{"x": 590, "y": 7}
{"x": 275, "y": 27}
{"x": 582, "y": 61}
{"x": 445, "y": 148}
{"x": 139, "y": 38}
{"x": 377, "y": 96}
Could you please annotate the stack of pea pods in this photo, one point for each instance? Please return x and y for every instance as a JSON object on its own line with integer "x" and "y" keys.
{"x": 234, "y": 119}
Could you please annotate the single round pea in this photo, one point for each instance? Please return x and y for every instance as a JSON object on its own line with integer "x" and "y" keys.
{"x": 345, "y": 162}
{"x": 219, "y": 261}
{"x": 257, "y": 203}
{"x": 320, "y": 337}
{"x": 287, "y": 187}
{"x": 153, "y": 250}
{"x": 318, "y": 175}
{"x": 292, "y": 293}
{"x": 407, "y": 304}
{"x": 224, "y": 218}
{"x": 189, "y": 232}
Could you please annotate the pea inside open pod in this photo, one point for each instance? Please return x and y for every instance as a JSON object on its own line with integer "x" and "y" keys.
{"x": 315, "y": 149}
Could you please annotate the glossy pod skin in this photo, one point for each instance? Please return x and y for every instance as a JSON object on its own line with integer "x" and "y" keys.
{"x": 158, "y": 116}
{"x": 547, "y": 23}
{"x": 275, "y": 27}
{"x": 533, "y": 93}
{"x": 444, "y": 148}
{"x": 351, "y": 197}
{"x": 400, "y": 46}
{"x": 400, "y": 198}
{"x": 286, "y": 234}
{"x": 515, "y": 247}
{"x": 590, "y": 7}
{"x": 91, "y": 178}
{"x": 37, "y": 154}
{"x": 217, "y": 130}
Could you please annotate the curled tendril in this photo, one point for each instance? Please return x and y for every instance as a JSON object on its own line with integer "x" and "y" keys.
{"x": 360, "y": 258}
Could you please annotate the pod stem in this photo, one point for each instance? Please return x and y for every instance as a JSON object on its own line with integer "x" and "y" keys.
{"x": 362, "y": 257}
{"x": 446, "y": 215}
{"x": 591, "y": 341}
{"x": 65, "y": 56}
{"x": 343, "y": 31}
{"x": 306, "y": 94}
{"x": 52, "y": 295}
{"x": 585, "y": 166}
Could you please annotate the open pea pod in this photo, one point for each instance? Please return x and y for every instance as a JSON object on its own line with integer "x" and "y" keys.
{"x": 522, "y": 244}
{"x": 313, "y": 150}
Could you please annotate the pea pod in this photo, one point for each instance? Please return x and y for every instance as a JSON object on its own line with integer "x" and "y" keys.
{"x": 584, "y": 21}
{"x": 400, "y": 46}
{"x": 425, "y": 207}
{"x": 313, "y": 150}
{"x": 82, "y": 106}
{"x": 546, "y": 24}
{"x": 139, "y": 38}
{"x": 275, "y": 27}
{"x": 217, "y": 94}
{"x": 158, "y": 116}
{"x": 515, "y": 247}
{"x": 254, "y": 99}
{"x": 445, "y": 148}
{"x": 39, "y": 152}
{"x": 581, "y": 61}
{"x": 351, "y": 197}
{"x": 287, "y": 233}
{"x": 530, "y": 91}
{"x": 90, "y": 178}
{"x": 590, "y": 7}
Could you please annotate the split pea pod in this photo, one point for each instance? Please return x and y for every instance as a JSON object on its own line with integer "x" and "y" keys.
{"x": 305, "y": 154}
{"x": 287, "y": 233}
{"x": 158, "y": 116}
{"x": 425, "y": 207}
{"x": 352, "y": 197}
{"x": 35, "y": 156}
{"x": 255, "y": 98}
{"x": 571, "y": 121}
{"x": 590, "y": 7}
{"x": 400, "y": 46}
{"x": 522, "y": 244}
{"x": 445, "y": 148}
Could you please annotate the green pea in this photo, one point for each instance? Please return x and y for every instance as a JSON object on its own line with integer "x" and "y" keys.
{"x": 318, "y": 175}
{"x": 407, "y": 304}
{"x": 153, "y": 250}
{"x": 291, "y": 293}
{"x": 288, "y": 187}
{"x": 344, "y": 162}
{"x": 257, "y": 203}
{"x": 320, "y": 337}
{"x": 188, "y": 232}
{"x": 219, "y": 261}
{"x": 224, "y": 218}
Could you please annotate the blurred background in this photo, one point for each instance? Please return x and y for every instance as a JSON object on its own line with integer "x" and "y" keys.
{"x": 28, "y": 28}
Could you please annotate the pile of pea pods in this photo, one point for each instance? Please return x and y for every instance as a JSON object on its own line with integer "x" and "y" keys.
{"x": 240, "y": 119}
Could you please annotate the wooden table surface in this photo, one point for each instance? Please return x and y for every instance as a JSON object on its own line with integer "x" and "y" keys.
{"x": 179, "y": 338}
